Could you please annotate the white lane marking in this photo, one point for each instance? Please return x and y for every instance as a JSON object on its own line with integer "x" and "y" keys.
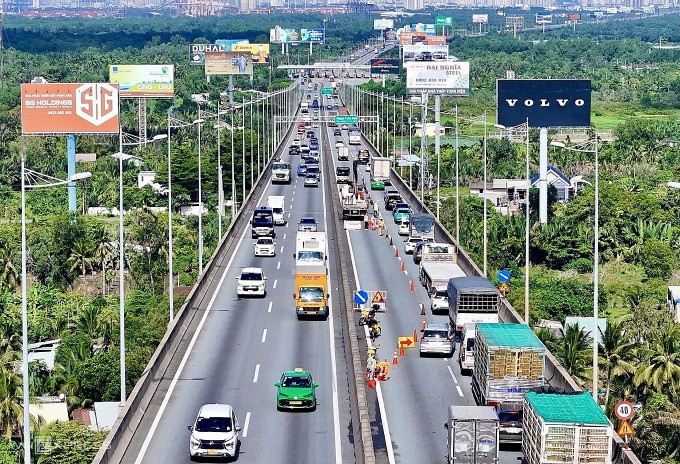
{"x": 278, "y": 265}
{"x": 245, "y": 425}
{"x": 271, "y": 303}
{"x": 334, "y": 367}
{"x": 378, "y": 389}
{"x": 460, "y": 392}
{"x": 281, "y": 248}
{"x": 264, "y": 335}
{"x": 185, "y": 358}
{"x": 453, "y": 376}
{"x": 257, "y": 373}
{"x": 275, "y": 282}
{"x": 405, "y": 272}
{"x": 284, "y": 235}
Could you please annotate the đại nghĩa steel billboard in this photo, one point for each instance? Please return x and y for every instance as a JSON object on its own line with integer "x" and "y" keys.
{"x": 225, "y": 63}
{"x": 545, "y": 102}
{"x": 90, "y": 108}
{"x": 143, "y": 80}
{"x": 443, "y": 77}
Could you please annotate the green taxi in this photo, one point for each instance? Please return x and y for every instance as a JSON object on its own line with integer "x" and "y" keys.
{"x": 377, "y": 184}
{"x": 296, "y": 390}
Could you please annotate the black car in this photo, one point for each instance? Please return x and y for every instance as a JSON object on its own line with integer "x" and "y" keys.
{"x": 310, "y": 134}
{"x": 337, "y": 132}
{"x": 294, "y": 151}
{"x": 391, "y": 200}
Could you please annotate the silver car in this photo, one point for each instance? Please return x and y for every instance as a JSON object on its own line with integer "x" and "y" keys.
{"x": 436, "y": 339}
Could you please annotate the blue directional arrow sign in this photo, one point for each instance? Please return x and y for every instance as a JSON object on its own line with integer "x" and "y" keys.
{"x": 504, "y": 276}
{"x": 360, "y": 297}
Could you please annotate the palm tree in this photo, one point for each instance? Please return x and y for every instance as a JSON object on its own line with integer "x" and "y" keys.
{"x": 617, "y": 354}
{"x": 102, "y": 252}
{"x": 9, "y": 274}
{"x": 662, "y": 374}
{"x": 11, "y": 401}
{"x": 81, "y": 257}
{"x": 574, "y": 352}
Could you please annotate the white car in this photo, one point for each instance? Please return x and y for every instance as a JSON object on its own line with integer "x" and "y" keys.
{"x": 265, "y": 246}
{"x": 251, "y": 282}
{"x": 410, "y": 244}
{"x": 368, "y": 167}
{"x": 315, "y": 124}
{"x": 214, "y": 433}
{"x": 439, "y": 300}
{"x": 339, "y": 144}
{"x": 404, "y": 228}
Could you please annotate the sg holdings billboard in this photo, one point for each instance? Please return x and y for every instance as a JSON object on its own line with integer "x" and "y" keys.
{"x": 446, "y": 77}
{"x": 259, "y": 53}
{"x": 224, "y": 63}
{"x": 144, "y": 80}
{"x": 546, "y": 102}
{"x": 69, "y": 109}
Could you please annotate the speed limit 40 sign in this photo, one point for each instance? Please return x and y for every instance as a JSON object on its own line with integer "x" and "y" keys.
{"x": 623, "y": 410}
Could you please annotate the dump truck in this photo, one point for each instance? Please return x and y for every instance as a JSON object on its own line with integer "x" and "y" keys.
{"x": 509, "y": 361}
{"x": 472, "y": 299}
{"x": 472, "y": 435}
{"x": 311, "y": 291}
{"x": 421, "y": 226}
{"x": 565, "y": 428}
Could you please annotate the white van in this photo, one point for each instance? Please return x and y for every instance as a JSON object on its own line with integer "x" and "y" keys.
{"x": 214, "y": 433}
{"x": 276, "y": 203}
{"x": 467, "y": 348}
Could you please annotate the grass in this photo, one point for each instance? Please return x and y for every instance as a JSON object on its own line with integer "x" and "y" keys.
{"x": 618, "y": 278}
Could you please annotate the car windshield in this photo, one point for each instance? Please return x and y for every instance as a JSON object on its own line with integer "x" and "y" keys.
{"x": 441, "y": 293}
{"x": 296, "y": 382}
{"x": 470, "y": 345}
{"x": 309, "y": 294}
{"x": 310, "y": 256}
{"x": 505, "y": 416}
{"x": 277, "y": 210}
{"x": 251, "y": 276}
{"x": 262, "y": 215}
{"x": 213, "y": 424}
{"x": 313, "y": 169}
{"x": 435, "y": 334}
{"x": 281, "y": 166}
{"x": 342, "y": 171}
{"x": 308, "y": 221}
{"x": 265, "y": 241}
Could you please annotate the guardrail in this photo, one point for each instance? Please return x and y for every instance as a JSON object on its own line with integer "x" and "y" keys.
{"x": 556, "y": 375}
{"x": 139, "y": 400}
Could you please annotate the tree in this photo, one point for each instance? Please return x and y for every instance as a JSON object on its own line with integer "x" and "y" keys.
{"x": 80, "y": 258}
{"x": 70, "y": 443}
{"x": 9, "y": 452}
{"x": 574, "y": 353}
{"x": 9, "y": 272}
{"x": 662, "y": 374}
{"x": 11, "y": 401}
{"x": 617, "y": 354}
{"x": 102, "y": 251}
{"x": 657, "y": 259}
{"x": 98, "y": 377}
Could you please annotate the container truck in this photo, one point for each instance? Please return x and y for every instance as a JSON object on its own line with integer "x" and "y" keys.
{"x": 311, "y": 291}
{"x": 509, "y": 360}
{"x": 343, "y": 153}
{"x": 276, "y": 203}
{"x": 437, "y": 266}
{"x": 472, "y": 435}
{"x": 380, "y": 170}
{"x": 561, "y": 428}
{"x": 421, "y": 226}
{"x": 471, "y": 299}
{"x": 310, "y": 249}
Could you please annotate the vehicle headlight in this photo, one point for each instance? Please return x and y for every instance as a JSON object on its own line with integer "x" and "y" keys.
{"x": 230, "y": 443}
{"x": 194, "y": 443}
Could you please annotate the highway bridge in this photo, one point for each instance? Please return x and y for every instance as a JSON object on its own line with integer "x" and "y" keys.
{"x": 226, "y": 349}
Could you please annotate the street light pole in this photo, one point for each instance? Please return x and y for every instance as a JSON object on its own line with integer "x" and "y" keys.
{"x": 171, "y": 284}
{"x": 486, "y": 240}
{"x": 24, "y": 314}
{"x": 121, "y": 267}
{"x": 526, "y": 232}
{"x": 200, "y": 121}
{"x": 457, "y": 186}
{"x": 220, "y": 189}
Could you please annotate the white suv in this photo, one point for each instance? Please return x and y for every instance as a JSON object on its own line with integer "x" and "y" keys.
{"x": 251, "y": 282}
{"x": 439, "y": 300}
{"x": 410, "y": 244}
{"x": 214, "y": 433}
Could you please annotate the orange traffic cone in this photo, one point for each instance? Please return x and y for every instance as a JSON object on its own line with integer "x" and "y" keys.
{"x": 371, "y": 383}
{"x": 403, "y": 266}
{"x": 396, "y": 252}
{"x": 412, "y": 286}
{"x": 422, "y": 327}
{"x": 401, "y": 350}
{"x": 415, "y": 336}
{"x": 395, "y": 360}
{"x": 390, "y": 239}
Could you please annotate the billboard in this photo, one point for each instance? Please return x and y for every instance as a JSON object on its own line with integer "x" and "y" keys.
{"x": 446, "y": 77}
{"x": 259, "y": 53}
{"x": 410, "y": 37}
{"x": 423, "y": 52}
{"x": 381, "y": 24}
{"x": 221, "y": 63}
{"x": 480, "y": 19}
{"x": 281, "y": 35}
{"x": 69, "y": 109}
{"x": 197, "y": 52}
{"x": 435, "y": 40}
{"x": 389, "y": 35}
{"x": 385, "y": 66}
{"x": 227, "y": 44}
{"x": 543, "y": 18}
{"x": 422, "y": 27}
{"x": 573, "y": 17}
{"x": 514, "y": 22}
{"x": 143, "y": 80}
{"x": 546, "y": 102}
{"x": 443, "y": 21}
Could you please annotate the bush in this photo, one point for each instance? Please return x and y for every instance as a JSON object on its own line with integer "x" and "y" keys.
{"x": 657, "y": 259}
{"x": 98, "y": 377}
{"x": 580, "y": 265}
{"x": 69, "y": 443}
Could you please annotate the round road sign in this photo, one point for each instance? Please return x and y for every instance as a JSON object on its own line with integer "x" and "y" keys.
{"x": 360, "y": 297}
{"x": 503, "y": 276}
{"x": 623, "y": 410}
